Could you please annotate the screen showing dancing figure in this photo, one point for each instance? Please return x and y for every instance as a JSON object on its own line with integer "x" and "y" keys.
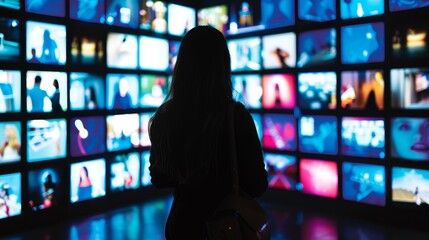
{"x": 318, "y": 134}
{"x": 87, "y": 180}
{"x": 278, "y": 91}
{"x": 279, "y": 50}
{"x": 410, "y": 138}
{"x": 410, "y": 185}
{"x": 318, "y": 177}
{"x": 282, "y": 171}
{"x": 279, "y": 132}
{"x": 317, "y": 90}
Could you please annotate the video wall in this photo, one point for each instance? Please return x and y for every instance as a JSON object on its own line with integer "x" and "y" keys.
{"x": 339, "y": 92}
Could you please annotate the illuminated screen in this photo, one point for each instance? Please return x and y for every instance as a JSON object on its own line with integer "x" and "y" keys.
{"x": 121, "y": 51}
{"x": 122, "y": 13}
{"x": 46, "y": 91}
{"x": 279, "y": 50}
{"x": 317, "y": 11}
{"x": 145, "y": 177}
{"x": 10, "y": 142}
{"x": 46, "y": 43}
{"x": 87, "y": 136}
{"x": 278, "y": 91}
{"x": 153, "y": 90}
{"x": 153, "y": 16}
{"x": 317, "y": 48}
{"x": 173, "y": 51}
{"x": 125, "y": 172}
{"x": 317, "y": 90}
{"x": 154, "y": 53}
{"x": 45, "y": 188}
{"x": 399, "y": 5}
{"x": 10, "y": 91}
{"x": 248, "y": 90}
{"x": 10, "y": 39}
{"x": 361, "y": 8}
{"x": 318, "y": 134}
{"x": 279, "y": 132}
{"x": 362, "y": 90}
{"x": 46, "y": 139}
{"x": 364, "y": 183}
{"x": 410, "y": 185}
{"x": 10, "y": 189}
{"x": 362, "y": 43}
{"x": 319, "y": 177}
{"x": 87, "y": 180}
{"x": 245, "y": 54}
{"x": 181, "y": 19}
{"x": 410, "y": 138}
{"x": 55, "y": 8}
{"x": 410, "y": 88}
{"x": 122, "y": 131}
{"x": 15, "y": 4}
{"x": 86, "y": 48}
{"x": 122, "y": 91}
{"x": 257, "y": 120}
{"x": 363, "y": 137}
{"x": 277, "y": 13}
{"x": 282, "y": 171}
{"x": 86, "y": 91}
{"x": 144, "y": 130}
{"x": 215, "y": 16}
{"x": 410, "y": 39}
{"x": 88, "y": 11}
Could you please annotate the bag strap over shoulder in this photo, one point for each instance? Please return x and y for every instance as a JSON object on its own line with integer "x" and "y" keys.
{"x": 232, "y": 148}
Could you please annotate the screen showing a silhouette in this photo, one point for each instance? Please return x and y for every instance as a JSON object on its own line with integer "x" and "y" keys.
{"x": 410, "y": 88}
{"x": 317, "y": 48}
{"x": 46, "y": 43}
{"x": 87, "y": 91}
{"x": 86, "y": 48}
{"x": 409, "y": 138}
{"x": 279, "y": 50}
{"x": 278, "y": 91}
{"x": 363, "y": 137}
{"x": 180, "y": 19}
{"x": 10, "y": 195}
{"x": 153, "y": 16}
{"x": 245, "y": 54}
{"x": 122, "y": 13}
{"x": 248, "y": 90}
{"x": 55, "y": 8}
{"x": 46, "y": 139}
{"x": 10, "y": 35}
{"x": 282, "y": 171}
{"x": 362, "y": 90}
{"x": 317, "y": 11}
{"x": 87, "y": 136}
{"x": 153, "y": 90}
{"x": 122, "y": 91}
{"x": 10, "y": 91}
{"x": 317, "y": 90}
{"x": 362, "y": 43}
{"x": 10, "y": 142}
{"x": 87, "y": 180}
{"x": 215, "y": 16}
{"x": 364, "y": 183}
{"x": 279, "y": 132}
{"x": 318, "y": 177}
{"x": 45, "y": 188}
{"x": 277, "y": 13}
{"x": 318, "y": 134}
{"x": 122, "y": 131}
{"x": 125, "y": 172}
{"x": 410, "y": 39}
{"x": 361, "y": 8}
{"x": 410, "y": 185}
{"x": 153, "y": 53}
{"x": 88, "y": 11}
{"x": 121, "y": 51}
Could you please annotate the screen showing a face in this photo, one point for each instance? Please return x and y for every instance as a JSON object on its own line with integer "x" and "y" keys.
{"x": 279, "y": 132}
{"x": 125, "y": 172}
{"x": 145, "y": 177}
{"x": 88, "y": 11}
{"x": 245, "y": 54}
{"x": 46, "y": 91}
{"x": 248, "y": 90}
{"x": 87, "y": 136}
{"x": 410, "y": 88}
{"x": 278, "y": 91}
{"x": 362, "y": 43}
{"x": 10, "y": 142}
{"x": 363, "y": 137}
{"x": 317, "y": 11}
{"x": 153, "y": 16}
{"x": 153, "y": 90}
{"x": 46, "y": 43}
{"x": 86, "y": 91}
{"x": 10, "y": 91}
{"x": 121, "y": 50}
{"x": 318, "y": 134}
{"x": 317, "y": 48}
{"x": 362, "y": 90}
{"x": 86, "y": 48}
{"x": 10, "y": 195}
{"x": 122, "y": 91}
{"x": 364, "y": 183}
{"x": 181, "y": 19}
{"x": 87, "y": 180}
{"x": 319, "y": 177}
{"x": 122, "y": 131}
{"x": 10, "y": 39}
{"x": 46, "y": 139}
{"x": 277, "y": 13}
{"x": 44, "y": 188}
{"x": 410, "y": 39}
{"x": 216, "y": 16}
{"x": 410, "y": 185}
{"x": 410, "y": 138}
{"x": 154, "y": 53}
{"x": 122, "y": 13}
{"x": 279, "y": 50}
{"x": 144, "y": 129}
{"x": 317, "y": 90}
{"x": 282, "y": 171}
{"x": 55, "y": 8}
{"x": 361, "y": 8}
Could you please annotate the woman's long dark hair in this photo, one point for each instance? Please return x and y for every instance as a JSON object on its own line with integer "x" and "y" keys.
{"x": 199, "y": 93}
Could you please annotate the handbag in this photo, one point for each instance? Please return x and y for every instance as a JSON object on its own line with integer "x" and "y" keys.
{"x": 238, "y": 216}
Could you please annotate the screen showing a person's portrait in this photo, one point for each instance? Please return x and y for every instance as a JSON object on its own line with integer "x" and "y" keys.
{"x": 122, "y": 91}
{"x": 10, "y": 142}
{"x": 45, "y": 188}
{"x": 87, "y": 180}
{"x": 279, "y": 50}
{"x": 409, "y": 138}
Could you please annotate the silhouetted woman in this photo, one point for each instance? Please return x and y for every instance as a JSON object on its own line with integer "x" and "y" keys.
{"x": 189, "y": 136}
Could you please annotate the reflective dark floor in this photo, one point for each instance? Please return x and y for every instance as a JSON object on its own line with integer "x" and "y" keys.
{"x": 146, "y": 221}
